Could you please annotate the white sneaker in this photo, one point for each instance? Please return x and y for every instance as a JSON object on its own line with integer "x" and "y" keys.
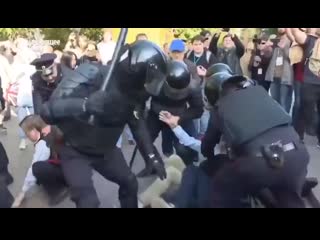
{"x": 22, "y": 145}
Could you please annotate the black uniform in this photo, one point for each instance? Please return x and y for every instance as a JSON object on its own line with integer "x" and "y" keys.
{"x": 90, "y": 146}
{"x": 6, "y": 199}
{"x": 43, "y": 89}
{"x": 181, "y": 97}
{"x": 266, "y": 152}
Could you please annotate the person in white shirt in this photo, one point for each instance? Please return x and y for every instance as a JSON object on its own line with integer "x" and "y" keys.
{"x": 106, "y": 47}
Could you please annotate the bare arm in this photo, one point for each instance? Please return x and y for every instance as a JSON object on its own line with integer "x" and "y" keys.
{"x": 290, "y": 34}
{"x": 299, "y": 36}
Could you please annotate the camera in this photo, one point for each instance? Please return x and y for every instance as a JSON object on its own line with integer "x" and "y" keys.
{"x": 225, "y": 30}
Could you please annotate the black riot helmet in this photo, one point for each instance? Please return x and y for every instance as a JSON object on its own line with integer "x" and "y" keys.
{"x": 142, "y": 66}
{"x": 178, "y": 80}
{"x": 217, "y": 68}
{"x": 223, "y": 83}
{"x": 213, "y": 87}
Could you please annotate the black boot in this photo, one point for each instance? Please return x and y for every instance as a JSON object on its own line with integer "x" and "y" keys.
{"x": 58, "y": 196}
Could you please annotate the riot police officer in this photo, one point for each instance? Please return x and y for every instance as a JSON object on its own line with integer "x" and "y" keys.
{"x": 141, "y": 68}
{"x": 182, "y": 97}
{"x": 45, "y": 80}
{"x": 264, "y": 149}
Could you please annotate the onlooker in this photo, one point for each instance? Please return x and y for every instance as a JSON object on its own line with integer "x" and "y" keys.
{"x": 206, "y": 34}
{"x": 166, "y": 49}
{"x": 91, "y": 54}
{"x": 296, "y": 51}
{"x": 83, "y": 45}
{"x": 106, "y": 47}
{"x": 69, "y": 60}
{"x": 177, "y": 52}
{"x": 310, "y": 94}
{"x": 24, "y": 53}
{"x": 260, "y": 61}
{"x": 200, "y": 56}
{"x": 230, "y": 54}
{"x": 73, "y": 44}
{"x": 280, "y": 71}
{"x": 45, "y": 80}
{"x": 141, "y": 36}
{"x": 7, "y": 77}
{"x": 203, "y": 59}
{"x": 245, "y": 60}
{"x": 23, "y": 71}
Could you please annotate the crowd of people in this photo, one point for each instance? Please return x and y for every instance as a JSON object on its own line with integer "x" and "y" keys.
{"x": 56, "y": 92}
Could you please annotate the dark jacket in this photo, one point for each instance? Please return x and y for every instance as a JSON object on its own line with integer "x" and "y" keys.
{"x": 230, "y": 57}
{"x": 41, "y": 90}
{"x": 206, "y": 60}
{"x": 187, "y": 109}
{"x": 258, "y": 70}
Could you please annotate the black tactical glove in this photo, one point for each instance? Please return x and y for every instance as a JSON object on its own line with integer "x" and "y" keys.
{"x": 95, "y": 103}
{"x": 46, "y": 114}
{"x": 155, "y": 167}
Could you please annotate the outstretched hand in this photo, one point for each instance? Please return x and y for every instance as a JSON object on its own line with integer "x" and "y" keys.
{"x": 18, "y": 200}
{"x": 169, "y": 119}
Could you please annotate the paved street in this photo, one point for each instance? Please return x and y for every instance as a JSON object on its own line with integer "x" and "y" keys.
{"x": 20, "y": 162}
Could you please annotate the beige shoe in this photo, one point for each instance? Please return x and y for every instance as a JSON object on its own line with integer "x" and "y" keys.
{"x": 23, "y": 144}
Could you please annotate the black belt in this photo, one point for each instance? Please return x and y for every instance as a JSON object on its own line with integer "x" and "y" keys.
{"x": 286, "y": 148}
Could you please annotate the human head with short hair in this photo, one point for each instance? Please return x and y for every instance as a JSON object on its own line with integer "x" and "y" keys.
{"x": 141, "y": 36}
{"x": 197, "y": 44}
{"x": 228, "y": 42}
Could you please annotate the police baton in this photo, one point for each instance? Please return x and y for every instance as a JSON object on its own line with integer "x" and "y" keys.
{"x": 115, "y": 58}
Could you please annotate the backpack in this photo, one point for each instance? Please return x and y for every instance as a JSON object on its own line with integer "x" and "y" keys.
{"x": 208, "y": 55}
{"x": 314, "y": 59}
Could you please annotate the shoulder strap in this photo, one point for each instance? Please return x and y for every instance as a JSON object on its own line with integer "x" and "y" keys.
{"x": 208, "y": 55}
{"x": 188, "y": 54}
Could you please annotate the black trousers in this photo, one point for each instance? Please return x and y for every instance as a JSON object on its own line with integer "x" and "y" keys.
{"x": 50, "y": 176}
{"x": 247, "y": 175}
{"x": 77, "y": 169}
{"x": 310, "y": 96}
{"x": 6, "y": 198}
{"x": 155, "y": 126}
{"x": 4, "y": 161}
{"x": 167, "y": 141}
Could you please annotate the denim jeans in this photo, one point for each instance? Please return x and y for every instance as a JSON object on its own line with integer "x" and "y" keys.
{"x": 310, "y": 97}
{"x": 22, "y": 113}
{"x": 282, "y": 94}
{"x": 194, "y": 189}
{"x": 201, "y": 124}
